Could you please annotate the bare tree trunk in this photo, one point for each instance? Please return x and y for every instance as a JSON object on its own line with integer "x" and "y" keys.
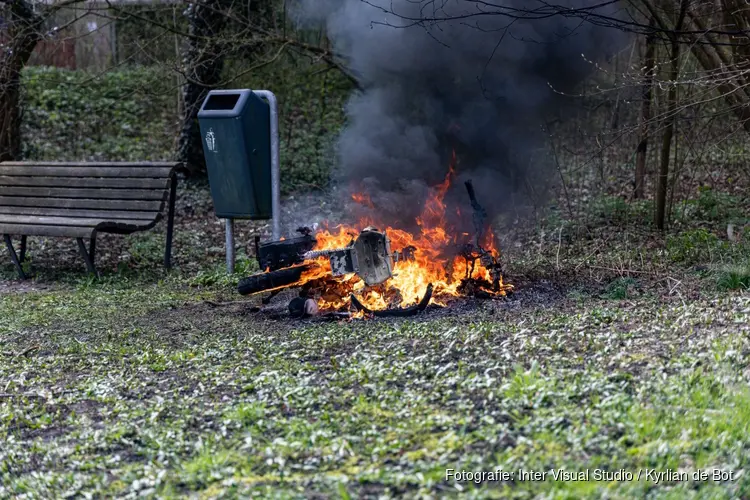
{"x": 666, "y": 144}
{"x": 23, "y": 33}
{"x": 203, "y": 63}
{"x": 649, "y": 69}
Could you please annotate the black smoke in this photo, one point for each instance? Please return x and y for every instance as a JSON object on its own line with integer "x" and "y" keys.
{"x": 439, "y": 78}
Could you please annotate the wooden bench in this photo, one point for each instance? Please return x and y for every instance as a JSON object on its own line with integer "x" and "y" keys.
{"x": 79, "y": 200}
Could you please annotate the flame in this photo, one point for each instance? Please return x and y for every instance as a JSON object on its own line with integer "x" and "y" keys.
{"x": 363, "y": 199}
{"x": 437, "y": 259}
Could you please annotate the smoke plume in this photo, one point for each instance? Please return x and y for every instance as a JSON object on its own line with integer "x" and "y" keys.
{"x": 437, "y": 78}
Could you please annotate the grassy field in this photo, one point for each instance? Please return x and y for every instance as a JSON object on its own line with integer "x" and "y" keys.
{"x": 621, "y": 350}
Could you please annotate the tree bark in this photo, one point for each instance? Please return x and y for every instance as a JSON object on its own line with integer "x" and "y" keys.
{"x": 22, "y": 34}
{"x": 649, "y": 69}
{"x": 203, "y": 62}
{"x": 666, "y": 145}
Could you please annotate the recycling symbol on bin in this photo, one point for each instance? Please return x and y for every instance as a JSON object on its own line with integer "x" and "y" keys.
{"x": 211, "y": 140}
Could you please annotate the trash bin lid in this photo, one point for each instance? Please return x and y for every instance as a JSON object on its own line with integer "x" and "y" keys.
{"x": 226, "y": 103}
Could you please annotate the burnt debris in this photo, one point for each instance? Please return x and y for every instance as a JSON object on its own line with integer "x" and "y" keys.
{"x": 396, "y": 311}
{"x": 474, "y": 252}
{"x": 271, "y": 280}
{"x": 275, "y": 255}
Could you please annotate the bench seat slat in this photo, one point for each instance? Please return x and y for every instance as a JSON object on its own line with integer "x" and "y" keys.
{"x": 80, "y": 203}
{"x": 66, "y": 164}
{"x": 94, "y": 182}
{"x": 61, "y": 171}
{"x": 93, "y": 193}
{"x": 86, "y": 214}
{"x": 72, "y": 221}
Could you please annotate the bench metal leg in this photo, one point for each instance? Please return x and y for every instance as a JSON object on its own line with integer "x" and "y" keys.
{"x": 13, "y": 255}
{"x": 170, "y": 222}
{"x": 92, "y": 248}
{"x": 87, "y": 256}
{"x": 22, "y": 257}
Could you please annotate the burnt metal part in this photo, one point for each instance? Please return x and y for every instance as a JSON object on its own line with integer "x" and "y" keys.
{"x": 301, "y": 307}
{"x": 397, "y": 312}
{"x": 474, "y": 252}
{"x": 343, "y": 262}
{"x": 479, "y": 213}
{"x": 271, "y": 280}
{"x": 373, "y": 251}
{"x": 336, "y": 315}
{"x": 276, "y": 255}
{"x": 369, "y": 256}
{"x": 406, "y": 253}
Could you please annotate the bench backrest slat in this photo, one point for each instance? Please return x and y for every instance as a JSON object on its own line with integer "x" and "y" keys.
{"x": 104, "y": 182}
{"x": 70, "y": 164}
{"x": 71, "y": 212}
{"x": 63, "y": 221}
{"x": 89, "y": 171}
{"x": 81, "y": 203}
{"x": 91, "y": 190}
{"x": 88, "y": 193}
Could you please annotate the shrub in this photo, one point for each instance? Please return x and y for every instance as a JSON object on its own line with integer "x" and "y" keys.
{"x": 714, "y": 206}
{"x": 131, "y": 114}
{"x": 126, "y": 115}
{"x": 616, "y": 210}
{"x": 621, "y": 288}
{"x": 692, "y": 246}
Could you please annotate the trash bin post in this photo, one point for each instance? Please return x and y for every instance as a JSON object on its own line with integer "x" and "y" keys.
{"x": 275, "y": 162}
{"x": 230, "y": 245}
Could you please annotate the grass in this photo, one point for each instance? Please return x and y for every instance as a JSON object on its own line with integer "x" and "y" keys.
{"x": 143, "y": 388}
{"x": 168, "y": 384}
{"x": 621, "y": 288}
{"x": 734, "y": 277}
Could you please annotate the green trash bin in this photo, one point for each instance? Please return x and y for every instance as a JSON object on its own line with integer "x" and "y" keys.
{"x": 235, "y": 127}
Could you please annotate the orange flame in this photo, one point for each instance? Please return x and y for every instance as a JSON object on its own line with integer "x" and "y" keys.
{"x": 363, "y": 199}
{"x": 436, "y": 259}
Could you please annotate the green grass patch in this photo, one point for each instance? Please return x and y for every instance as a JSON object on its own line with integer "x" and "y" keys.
{"x": 621, "y": 288}
{"x": 715, "y": 206}
{"x": 733, "y": 277}
{"x": 693, "y": 246}
{"x": 617, "y": 210}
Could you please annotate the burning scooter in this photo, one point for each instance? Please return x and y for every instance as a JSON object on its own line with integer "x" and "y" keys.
{"x": 296, "y": 263}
